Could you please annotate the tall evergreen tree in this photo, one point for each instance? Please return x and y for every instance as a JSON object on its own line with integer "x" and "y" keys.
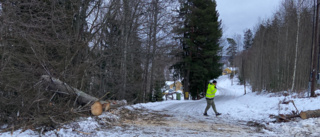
{"x": 200, "y": 36}
{"x": 248, "y": 39}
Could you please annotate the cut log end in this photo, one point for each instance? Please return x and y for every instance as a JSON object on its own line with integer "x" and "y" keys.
{"x": 96, "y": 109}
{"x": 303, "y": 115}
{"x": 310, "y": 114}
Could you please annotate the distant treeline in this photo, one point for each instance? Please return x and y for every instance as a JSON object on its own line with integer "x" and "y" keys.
{"x": 280, "y": 56}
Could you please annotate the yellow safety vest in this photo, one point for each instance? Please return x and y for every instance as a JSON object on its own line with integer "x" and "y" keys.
{"x": 211, "y": 91}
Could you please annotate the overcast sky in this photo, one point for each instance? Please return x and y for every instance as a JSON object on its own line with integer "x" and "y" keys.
{"x": 239, "y": 15}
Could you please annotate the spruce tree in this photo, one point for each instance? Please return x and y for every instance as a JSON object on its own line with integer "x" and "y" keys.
{"x": 248, "y": 39}
{"x": 232, "y": 49}
{"x": 200, "y": 36}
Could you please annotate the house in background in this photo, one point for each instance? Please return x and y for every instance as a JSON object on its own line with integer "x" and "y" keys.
{"x": 225, "y": 67}
{"x": 228, "y": 70}
{"x": 174, "y": 86}
{"x": 173, "y": 90}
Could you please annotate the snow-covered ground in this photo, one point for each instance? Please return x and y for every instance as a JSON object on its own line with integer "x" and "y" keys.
{"x": 242, "y": 115}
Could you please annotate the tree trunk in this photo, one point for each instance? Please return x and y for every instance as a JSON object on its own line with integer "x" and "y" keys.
{"x": 54, "y": 83}
{"x": 310, "y": 114}
{"x": 243, "y": 75}
{"x": 83, "y": 98}
{"x": 232, "y": 71}
{"x": 154, "y": 43}
{"x": 315, "y": 55}
{"x": 296, "y": 55}
{"x": 125, "y": 34}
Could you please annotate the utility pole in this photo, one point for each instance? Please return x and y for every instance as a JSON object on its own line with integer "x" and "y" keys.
{"x": 315, "y": 53}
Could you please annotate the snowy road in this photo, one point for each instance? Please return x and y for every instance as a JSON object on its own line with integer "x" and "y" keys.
{"x": 195, "y": 108}
{"x": 190, "y": 112}
{"x": 242, "y": 115}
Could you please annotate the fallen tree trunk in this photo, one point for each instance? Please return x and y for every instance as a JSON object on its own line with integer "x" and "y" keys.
{"x": 310, "y": 114}
{"x": 82, "y": 97}
{"x": 59, "y": 85}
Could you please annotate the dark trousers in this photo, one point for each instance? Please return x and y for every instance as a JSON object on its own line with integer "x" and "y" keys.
{"x": 210, "y": 102}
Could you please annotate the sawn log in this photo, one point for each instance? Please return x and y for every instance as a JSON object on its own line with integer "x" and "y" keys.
{"x": 310, "y": 114}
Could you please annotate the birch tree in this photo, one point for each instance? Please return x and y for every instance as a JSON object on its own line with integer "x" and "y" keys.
{"x": 296, "y": 44}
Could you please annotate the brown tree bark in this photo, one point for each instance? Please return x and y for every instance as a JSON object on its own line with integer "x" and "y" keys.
{"x": 310, "y": 114}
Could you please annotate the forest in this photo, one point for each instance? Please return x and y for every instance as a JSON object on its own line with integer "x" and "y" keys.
{"x": 127, "y": 49}
{"x": 278, "y": 56}
{"x": 117, "y": 47}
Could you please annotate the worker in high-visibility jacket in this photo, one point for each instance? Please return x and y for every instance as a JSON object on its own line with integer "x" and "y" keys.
{"x": 211, "y": 92}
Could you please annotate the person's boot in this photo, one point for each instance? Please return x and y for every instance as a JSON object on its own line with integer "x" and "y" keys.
{"x": 218, "y": 114}
{"x": 205, "y": 114}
